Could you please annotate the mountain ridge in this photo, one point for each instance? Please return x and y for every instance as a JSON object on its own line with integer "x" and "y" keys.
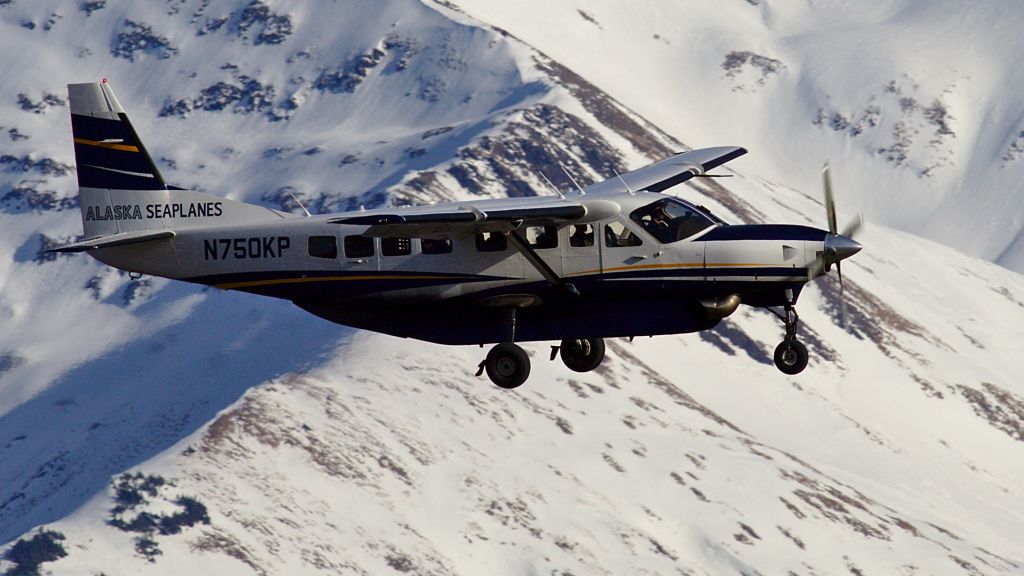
{"x": 358, "y": 453}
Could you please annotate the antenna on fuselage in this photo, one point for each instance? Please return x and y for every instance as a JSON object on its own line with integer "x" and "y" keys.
{"x": 299, "y": 202}
{"x": 578, "y": 187}
{"x": 628, "y": 189}
{"x": 553, "y": 187}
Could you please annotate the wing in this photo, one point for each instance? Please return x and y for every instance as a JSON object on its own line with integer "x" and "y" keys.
{"x": 506, "y": 214}
{"x": 480, "y": 216}
{"x": 670, "y": 171}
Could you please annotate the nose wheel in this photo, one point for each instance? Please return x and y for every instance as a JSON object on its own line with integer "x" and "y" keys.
{"x": 790, "y": 354}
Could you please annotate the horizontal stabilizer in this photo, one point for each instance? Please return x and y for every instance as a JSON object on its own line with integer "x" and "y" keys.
{"x": 115, "y": 240}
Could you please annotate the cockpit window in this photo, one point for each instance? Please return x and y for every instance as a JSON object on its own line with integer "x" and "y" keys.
{"x": 670, "y": 220}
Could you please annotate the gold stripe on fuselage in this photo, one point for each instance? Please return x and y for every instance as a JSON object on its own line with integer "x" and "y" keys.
{"x": 676, "y": 266}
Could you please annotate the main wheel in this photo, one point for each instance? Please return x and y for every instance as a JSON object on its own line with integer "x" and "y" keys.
{"x": 583, "y": 354}
{"x": 791, "y": 357}
{"x": 507, "y": 365}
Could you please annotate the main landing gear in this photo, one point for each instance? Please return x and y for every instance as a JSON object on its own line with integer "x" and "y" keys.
{"x": 508, "y": 365}
{"x": 581, "y": 354}
{"x": 790, "y": 354}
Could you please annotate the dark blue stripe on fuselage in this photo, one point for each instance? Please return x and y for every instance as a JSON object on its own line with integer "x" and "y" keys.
{"x": 702, "y": 272}
{"x": 335, "y": 283}
{"x": 341, "y": 285}
{"x": 764, "y": 232}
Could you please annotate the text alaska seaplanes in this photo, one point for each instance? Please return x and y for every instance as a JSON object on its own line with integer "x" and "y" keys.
{"x": 155, "y": 211}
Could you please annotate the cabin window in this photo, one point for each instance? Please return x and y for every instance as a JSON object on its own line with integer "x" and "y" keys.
{"x": 670, "y": 220}
{"x": 323, "y": 247}
{"x": 395, "y": 246}
{"x": 436, "y": 246}
{"x": 582, "y": 235}
{"x": 616, "y": 235}
{"x": 491, "y": 242}
{"x": 358, "y": 246}
{"x": 542, "y": 237}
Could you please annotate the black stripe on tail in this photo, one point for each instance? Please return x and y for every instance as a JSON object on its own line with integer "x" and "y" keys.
{"x": 110, "y": 155}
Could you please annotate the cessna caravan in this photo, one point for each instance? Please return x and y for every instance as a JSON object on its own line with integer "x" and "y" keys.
{"x": 618, "y": 258}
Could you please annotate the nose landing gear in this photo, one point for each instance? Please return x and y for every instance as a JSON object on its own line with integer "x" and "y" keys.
{"x": 790, "y": 354}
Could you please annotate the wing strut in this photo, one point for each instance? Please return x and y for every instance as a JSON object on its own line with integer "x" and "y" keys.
{"x": 537, "y": 262}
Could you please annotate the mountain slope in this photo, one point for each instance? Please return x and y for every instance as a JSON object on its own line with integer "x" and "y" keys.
{"x": 917, "y": 100}
{"x": 310, "y": 446}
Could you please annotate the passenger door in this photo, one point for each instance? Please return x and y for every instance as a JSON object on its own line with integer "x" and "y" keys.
{"x": 581, "y": 253}
{"x": 622, "y": 248}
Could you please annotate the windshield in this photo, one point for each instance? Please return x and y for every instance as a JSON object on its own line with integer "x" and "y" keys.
{"x": 670, "y": 220}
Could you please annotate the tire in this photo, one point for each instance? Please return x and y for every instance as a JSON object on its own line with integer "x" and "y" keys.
{"x": 791, "y": 357}
{"x": 507, "y": 365}
{"x": 582, "y": 355}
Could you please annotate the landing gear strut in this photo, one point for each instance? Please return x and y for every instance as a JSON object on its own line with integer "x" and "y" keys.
{"x": 582, "y": 354}
{"x": 507, "y": 365}
{"x": 790, "y": 354}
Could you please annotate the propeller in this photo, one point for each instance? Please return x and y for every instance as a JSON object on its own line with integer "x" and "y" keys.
{"x": 837, "y": 246}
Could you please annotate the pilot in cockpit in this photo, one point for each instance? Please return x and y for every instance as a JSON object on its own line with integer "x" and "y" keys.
{"x": 659, "y": 220}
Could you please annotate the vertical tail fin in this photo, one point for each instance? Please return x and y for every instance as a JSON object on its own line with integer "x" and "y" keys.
{"x": 120, "y": 188}
{"x": 112, "y": 163}
{"x": 108, "y": 151}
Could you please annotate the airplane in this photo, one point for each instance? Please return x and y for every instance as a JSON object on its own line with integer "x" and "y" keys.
{"x": 619, "y": 258}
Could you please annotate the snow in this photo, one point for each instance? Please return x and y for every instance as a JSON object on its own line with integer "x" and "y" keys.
{"x": 665, "y": 62}
{"x": 316, "y": 447}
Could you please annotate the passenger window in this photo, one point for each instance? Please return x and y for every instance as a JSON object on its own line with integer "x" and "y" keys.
{"x": 358, "y": 246}
{"x": 323, "y": 247}
{"x": 616, "y": 235}
{"x": 542, "y": 237}
{"x": 436, "y": 246}
{"x": 491, "y": 242}
{"x": 395, "y": 246}
{"x": 582, "y": 236}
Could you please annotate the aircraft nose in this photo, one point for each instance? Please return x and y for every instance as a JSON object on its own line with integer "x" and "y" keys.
{"x": 841, "y": 247}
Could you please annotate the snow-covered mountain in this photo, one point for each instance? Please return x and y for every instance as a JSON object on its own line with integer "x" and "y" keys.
{"x": 917, "y": 100}
{"x": 161, "y": 428}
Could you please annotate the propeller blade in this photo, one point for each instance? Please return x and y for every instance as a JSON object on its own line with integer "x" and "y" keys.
{"x": 844, "y": 314}
{"x": 842, "y": 297}
{"x": 830, "y": 204}
{"x": 854, "y": 226}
